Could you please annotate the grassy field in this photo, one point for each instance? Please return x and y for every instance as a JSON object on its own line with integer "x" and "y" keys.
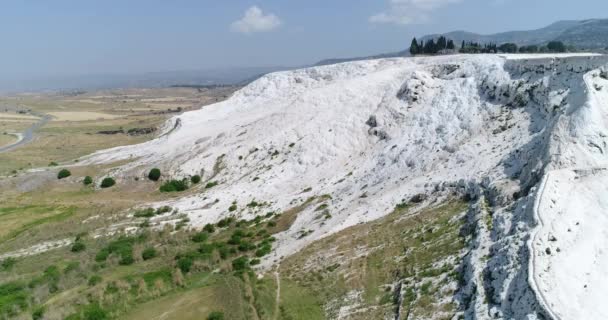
{"x": 356, "y": 270}
{"x": 6, "y": 139}
{"x": 406, "y": 262}
{"x": 78, "y": 119}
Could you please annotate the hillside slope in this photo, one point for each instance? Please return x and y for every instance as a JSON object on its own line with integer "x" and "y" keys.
{"x": 374, "y": 134}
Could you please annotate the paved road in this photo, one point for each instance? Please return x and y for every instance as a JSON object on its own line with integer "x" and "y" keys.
{"x": 27, "y": 135}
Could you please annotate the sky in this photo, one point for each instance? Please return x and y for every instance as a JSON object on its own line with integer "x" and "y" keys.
{"x": 78, "y": 37}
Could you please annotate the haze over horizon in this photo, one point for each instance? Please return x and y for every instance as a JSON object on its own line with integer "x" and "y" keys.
{"x": 68, "y": 38}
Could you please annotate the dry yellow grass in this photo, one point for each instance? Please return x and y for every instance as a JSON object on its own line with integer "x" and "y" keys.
{"x": 6, "y": 139}
{"x": 15, "y": 116}
{"x": 82, "y": 116}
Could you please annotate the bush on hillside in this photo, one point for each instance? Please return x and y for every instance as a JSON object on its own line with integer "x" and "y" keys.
{"x": 154, "y": 174}
{"x": 209, "y": 228}
{"x": 107, "y": 182}
{"x": 78, "y": 246}
{"x": 174, "y": 186}
{"x": 63, "y": 173}
{"x": 211, "y": 184}
{"x": 87, "y": 180}
{"x": 216, "y": 315}
{"x": 200, "y": 237}
{"x": 195, "y": 179}
{"x": 95, "y": 312}
{"x": 148, "y": 253}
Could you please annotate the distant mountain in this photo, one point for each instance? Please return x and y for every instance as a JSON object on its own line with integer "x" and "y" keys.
{"x": 538, "y": 36}
{"x": 587, "y": 34}
{"x": 584, "y": 34}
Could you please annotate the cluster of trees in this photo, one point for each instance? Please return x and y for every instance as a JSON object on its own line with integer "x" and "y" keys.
{"x": 473, "y": 47}
{"x": 443, "y": 45}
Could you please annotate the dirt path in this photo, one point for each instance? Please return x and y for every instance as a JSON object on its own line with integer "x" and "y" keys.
{"x": 27, "y": 135}
{"x": 277, "y": 300}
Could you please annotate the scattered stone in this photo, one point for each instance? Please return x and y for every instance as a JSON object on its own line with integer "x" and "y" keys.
{"x": 548, "y": 251}
{"x": 372, "y": 122}
{"x": 418, "y": 198}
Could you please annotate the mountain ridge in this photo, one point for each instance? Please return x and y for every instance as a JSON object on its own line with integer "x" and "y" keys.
{"x": 584, "y": 34}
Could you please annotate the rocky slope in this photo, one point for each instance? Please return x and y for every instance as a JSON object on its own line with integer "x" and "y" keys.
{"x": 377, "y": 133}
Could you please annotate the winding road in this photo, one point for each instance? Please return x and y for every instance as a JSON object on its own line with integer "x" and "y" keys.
{"x": 27, "y": 135}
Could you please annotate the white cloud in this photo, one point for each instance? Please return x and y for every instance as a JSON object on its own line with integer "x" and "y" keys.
{"x": 409, "y": 11}
{"x": 255, "y": 20}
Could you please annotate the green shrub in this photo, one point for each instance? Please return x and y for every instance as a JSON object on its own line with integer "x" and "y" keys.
{"x": 263, "y": 250}
{"x": 94, "y": 280}
{"x": 246, "y": 246}
{"x": 87, "y": 180}
{"x": 53, "y": 164}
{"x": 148, "y": 253}
{"x": 209, "y": 228}
{"x": 154, "y": 174}
{"x": 240, "y": 263}
{"x": 63, "y": 173}
{"x": 185, "y": 264}
{"x": 122, "y": 247}
{"x": 255, "y": 262}
{"x": 95, "y": 312}
{"x": 195, "y": 179}
{"x": 225, "y": 222}
{"x": 13, "y": 297}
{"x": 206, "y": 248}
{"x": 38, "y": 313}
{"x": 216, "y": 315}
{"x": 211, "y": 184}
{"x": 232, "y": 207}
{"x": 78, "y": 246}
{"x": 174, "y": 186}
{"x": 8, "y": 263}
{"x": 107, "y": 182}
{"x": 200, "y": 237}
{"x": 126, "y": 259}
{"x": 150, "y": 212}
{"x": 102, "y": 255}
{"x": 72, "y": 266}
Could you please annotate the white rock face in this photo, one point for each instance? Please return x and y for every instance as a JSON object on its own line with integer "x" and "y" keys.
{"x": 374, "y": 133}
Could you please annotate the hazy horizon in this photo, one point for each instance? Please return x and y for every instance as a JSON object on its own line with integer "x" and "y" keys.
{"x": 70, "y": 38}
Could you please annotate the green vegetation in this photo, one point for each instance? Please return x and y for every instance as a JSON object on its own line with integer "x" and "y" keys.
{"x": 421, "y": 251}
{"x": 211, "y": 184}
{"x": 431, "y": 47}
{"x": 63, "y": 173}
{"x": 8, "y": 263}
{"x": 216, "y": 315}
{"x": 195, "y": 179}
{"x": 151, "y": 212}
{"x": 154, "y": 174}
{"x": 148, "y": 253}
{"x": 87, "y": 180}
{"x": 78, "y": 246}
{"x": 107, "y": 182}
{"x": 174, "y": 186}
{"x": 13, "y": 298}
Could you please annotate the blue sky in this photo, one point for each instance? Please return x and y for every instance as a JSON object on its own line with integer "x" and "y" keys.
{"x": 62, "y": 37}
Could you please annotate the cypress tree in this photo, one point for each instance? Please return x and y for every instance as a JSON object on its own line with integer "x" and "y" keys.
{"x": 450, "y": 45}
{"x": 441, "y": 43}
{"x": 414, "y": 48}
{"x": 430, "y": 47}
